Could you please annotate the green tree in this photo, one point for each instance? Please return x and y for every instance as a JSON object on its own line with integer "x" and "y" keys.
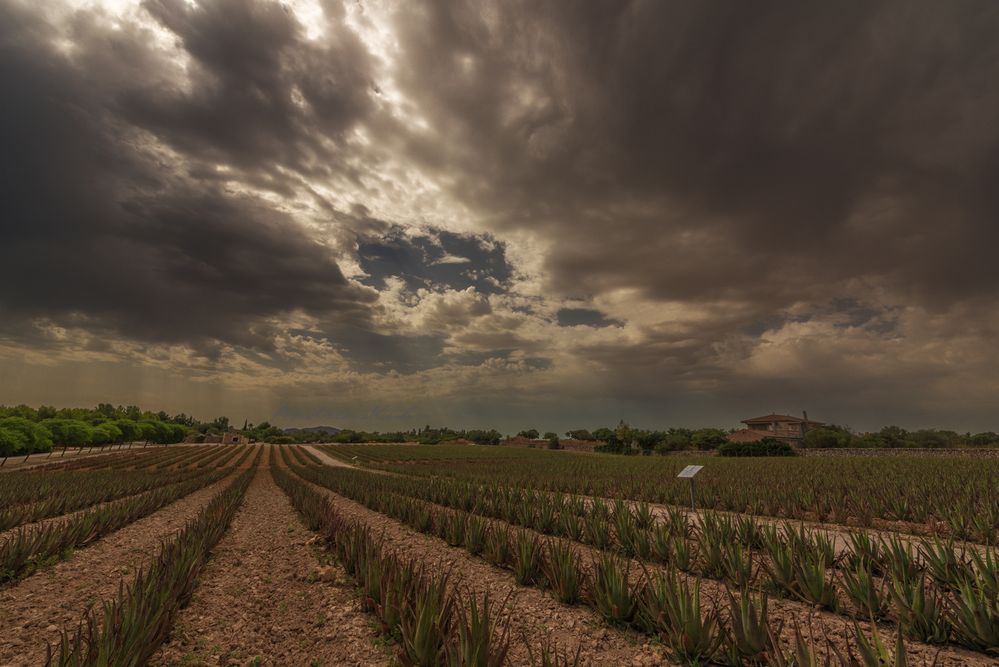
{"x": 708, "y": 438}
{"x": 484, "y": 437}
{"x": 130, "y": 430}
{"x": 894, "y": 436}
{"x": 606, "y": 435}
{"x": 105, "y": 433}
{"x": 69, "y": 432}
{"x": 826, "y": 438}
{"x": 12, "y": 442}
{"x": 531, "y": 434}
{"x": 986, "y": 439}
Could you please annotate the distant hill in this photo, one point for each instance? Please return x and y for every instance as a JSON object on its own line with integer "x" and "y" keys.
{"x": 332, "y": 430}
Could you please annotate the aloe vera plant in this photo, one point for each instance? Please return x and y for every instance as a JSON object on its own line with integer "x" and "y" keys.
{"x": 609, "y": 591}
{"x": 780, "y": 566}
{"x": 693, "y": 637}
{"x": 975, "y": 615}
{"x": 865, "y": 591}
{"x": 426, "y": 625}
{"x": 562, "y": 572}
{"x": 497, "y": 548}
{"x": 643, "y": 516}
{"x": 749, "y": 639}
{"x": 737, "y": 565}
{"x": 475, "y": 535}
{"x": 802, "y": 652}
{"x": 813, "y": 583}
{"x": 528, "y": 560}
{"x": 596, "y": 529}
{"x": 478, "y": 640}
{"x": 711, "y": 549}
{"x": 920, "y": 611}
{"x": 661, "y": 544}
{"x": 454, "y": 528}
{"x": 948, "y": 568}
{"x": 865, "y": 551}
{"x": 899, "y": 559}
{"x": 873, "y": 652}
{"x": 986, "y": 571}
{"x": 548, "y": 654}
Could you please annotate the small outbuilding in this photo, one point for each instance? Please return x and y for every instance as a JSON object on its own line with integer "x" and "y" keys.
{"x": 233, "y": 437}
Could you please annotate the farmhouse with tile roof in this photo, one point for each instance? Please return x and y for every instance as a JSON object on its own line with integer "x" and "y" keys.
{"x": 783, "y": 427}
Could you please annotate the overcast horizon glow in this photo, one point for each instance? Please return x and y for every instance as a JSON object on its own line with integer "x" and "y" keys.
{"x": 383, "y": 215}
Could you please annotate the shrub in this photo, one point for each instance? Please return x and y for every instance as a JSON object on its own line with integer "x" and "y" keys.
{"x": 764, "y": 447}
{"x": 826, "y": 438}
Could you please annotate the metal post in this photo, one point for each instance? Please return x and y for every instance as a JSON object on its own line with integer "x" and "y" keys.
{"x": 693, "y": 502}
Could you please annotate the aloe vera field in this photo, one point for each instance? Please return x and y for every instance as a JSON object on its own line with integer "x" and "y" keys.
{"x": 375, "y": 554}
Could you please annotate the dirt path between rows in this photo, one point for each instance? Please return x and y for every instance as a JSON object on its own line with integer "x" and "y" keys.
{"x": 256, "y": 600}
{"x": 534, "y": 615}
{"x": 327, "y": 459}
{"x": 34, "y": 611}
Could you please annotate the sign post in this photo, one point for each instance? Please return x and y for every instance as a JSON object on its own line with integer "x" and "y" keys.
{"x": 688, "y": 473}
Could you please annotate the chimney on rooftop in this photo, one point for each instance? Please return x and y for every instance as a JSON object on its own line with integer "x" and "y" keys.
{"x": 805, "y": 414}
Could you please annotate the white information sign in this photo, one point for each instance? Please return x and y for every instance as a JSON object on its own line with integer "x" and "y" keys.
{"x": 689, "y": 472}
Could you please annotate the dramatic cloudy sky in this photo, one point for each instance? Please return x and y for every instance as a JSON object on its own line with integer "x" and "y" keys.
{"x": 551, "y": 214}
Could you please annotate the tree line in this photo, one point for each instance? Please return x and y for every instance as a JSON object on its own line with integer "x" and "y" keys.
{"x": 891, "y": 437}
{"x": 423, "y": 436}
{"x": 625, "y": 439}
{"x": 26, "y": 430}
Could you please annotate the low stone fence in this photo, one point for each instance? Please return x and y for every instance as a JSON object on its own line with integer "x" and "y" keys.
{"x": 978, "y": 452}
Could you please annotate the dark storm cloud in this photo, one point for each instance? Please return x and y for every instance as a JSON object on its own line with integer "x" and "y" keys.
{"x": 260, "y": 95}
{"x": 571, "y": 317}
{"x": 446, "y": 259}
{"x": 103, "y": 231}
{"x": 379, "y": 353}
{"x": 766, "y": 153}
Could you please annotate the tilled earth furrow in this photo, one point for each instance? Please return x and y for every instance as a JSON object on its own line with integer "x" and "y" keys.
{"x": 258, "y": 597}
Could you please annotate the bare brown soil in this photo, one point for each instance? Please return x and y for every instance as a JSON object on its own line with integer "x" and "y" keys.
{"x": 326, "y": 458}
{"x": 534, "y": 616}
{"x": 257, "y": 597}
{"x": 34, "y": 611}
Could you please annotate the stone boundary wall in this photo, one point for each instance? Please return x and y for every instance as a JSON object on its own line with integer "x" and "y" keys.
{"x": 978, "y": 452}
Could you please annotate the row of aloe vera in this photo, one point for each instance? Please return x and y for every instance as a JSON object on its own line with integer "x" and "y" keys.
{"x": 127, "y": 630}
{"x": 953, "y": 496}
{"x": 32, "y": 547}
{"x": 112, "y": 458}
{"x": 936, "y": 591}
{"x": 429, "y": 620}
{"x": 658, "y": 602}
{"x": 34, "y": 496}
